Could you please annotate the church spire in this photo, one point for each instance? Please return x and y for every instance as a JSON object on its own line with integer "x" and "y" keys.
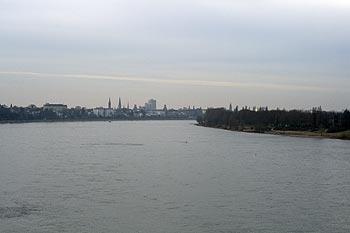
{"x": 120, "y": 104}
{"x": 109, "y": 103}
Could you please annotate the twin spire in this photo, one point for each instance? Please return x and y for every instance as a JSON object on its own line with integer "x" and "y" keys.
{"x": 119, "y": 104}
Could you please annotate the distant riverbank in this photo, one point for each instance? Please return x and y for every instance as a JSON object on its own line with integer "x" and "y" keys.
{"x": 345, "y": 135}
{"x": 89, "y": 120}
{"x": 299, "y": 123}
{"x": 320, "y": 134}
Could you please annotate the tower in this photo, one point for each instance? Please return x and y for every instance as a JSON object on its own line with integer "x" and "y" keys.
{"x": 109, "y": 103}
{"x": 230, "y": 107}
{"x": 165, "y": 109}
{"x": 120, "y": 104}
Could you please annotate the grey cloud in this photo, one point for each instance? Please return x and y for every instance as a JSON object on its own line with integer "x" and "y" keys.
{"x": 296, "y": 43}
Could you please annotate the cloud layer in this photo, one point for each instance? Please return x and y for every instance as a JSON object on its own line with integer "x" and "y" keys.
{"x": 287, "y": 45}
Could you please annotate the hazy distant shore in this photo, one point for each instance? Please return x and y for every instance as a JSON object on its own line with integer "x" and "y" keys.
{"x": 345, "y": 135}
{"x": 88, "y": 120}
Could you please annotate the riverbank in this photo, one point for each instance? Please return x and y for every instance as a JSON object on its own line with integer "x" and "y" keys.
{"x": 344, "y": 135}
{"x": 92, "y": 120}
{"x": 319, "y": 134}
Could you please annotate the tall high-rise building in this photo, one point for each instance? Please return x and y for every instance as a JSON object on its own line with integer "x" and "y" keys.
{"x": 230, "y": 107}
{"x": 151, "y": 105}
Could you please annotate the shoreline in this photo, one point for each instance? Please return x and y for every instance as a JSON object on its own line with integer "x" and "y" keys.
{"x": 343, "y": 135}
{"x": 90, "y": 120}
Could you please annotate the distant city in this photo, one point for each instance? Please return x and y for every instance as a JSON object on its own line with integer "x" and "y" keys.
{"x": 59, "y": 111}
{"x": 254, "y": 118}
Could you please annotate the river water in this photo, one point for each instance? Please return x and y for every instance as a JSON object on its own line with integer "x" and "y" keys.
{"x": 169, "y": 176}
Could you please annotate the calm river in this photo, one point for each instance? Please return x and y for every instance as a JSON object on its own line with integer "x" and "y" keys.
{"x": 169, "y": 176}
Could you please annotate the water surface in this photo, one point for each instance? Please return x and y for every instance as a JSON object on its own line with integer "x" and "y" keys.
{"x": 169, "y": 176}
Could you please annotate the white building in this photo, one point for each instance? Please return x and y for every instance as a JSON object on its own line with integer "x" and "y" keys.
{"x": 103, "y": 112}
{"x": 99, "y": 112}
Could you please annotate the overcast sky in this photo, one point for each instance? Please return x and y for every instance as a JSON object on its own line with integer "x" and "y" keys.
{"x": 287, "y": 54}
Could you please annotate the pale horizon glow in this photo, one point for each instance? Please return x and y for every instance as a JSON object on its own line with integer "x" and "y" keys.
{"x": 210, "y": 83}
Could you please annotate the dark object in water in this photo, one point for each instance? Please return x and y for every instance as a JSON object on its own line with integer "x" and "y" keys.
{"x": 15, "y": 211}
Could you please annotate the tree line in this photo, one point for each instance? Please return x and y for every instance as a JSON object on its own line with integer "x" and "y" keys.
{"x": 27, "y": 114}
{"x": 267, "y": 120}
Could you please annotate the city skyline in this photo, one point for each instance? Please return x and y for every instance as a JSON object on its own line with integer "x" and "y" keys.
{"x": 151, "y": 105}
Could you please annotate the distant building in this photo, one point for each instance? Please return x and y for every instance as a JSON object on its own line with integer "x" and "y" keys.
{"x": 109, "y": 103}
{"x": 119, "y": 104}
{"x": 230, "y": 107}
{"x": 151, "y": 105}
{"x": 32, "y": 106}
{"x": 103, "y": 112}
{"x": 55, "y": 107}
{"x": 109, "y": 112}
{"x": 155, "y": 113}
{"x": 99, "y": 112}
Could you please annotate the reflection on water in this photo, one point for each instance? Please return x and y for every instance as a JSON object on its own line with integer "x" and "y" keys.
{"x": 169, "y": 176}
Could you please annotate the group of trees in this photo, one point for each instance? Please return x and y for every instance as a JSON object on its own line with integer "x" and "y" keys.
{"x": 28, "y": 114}
{"x": 261, "y": 121}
